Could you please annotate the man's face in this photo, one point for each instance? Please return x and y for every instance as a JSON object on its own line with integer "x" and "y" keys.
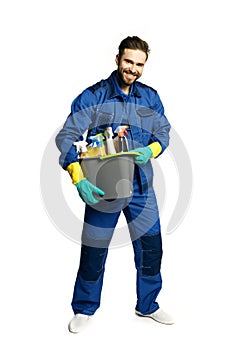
{"x": 130, "y": 66}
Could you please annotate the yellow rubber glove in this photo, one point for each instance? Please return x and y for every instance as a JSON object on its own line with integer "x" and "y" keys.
{"x": 75, "y": 171}
{"x": 155, "y": 148}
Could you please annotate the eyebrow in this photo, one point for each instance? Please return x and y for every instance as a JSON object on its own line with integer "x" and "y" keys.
{"x": 131, "y": 61}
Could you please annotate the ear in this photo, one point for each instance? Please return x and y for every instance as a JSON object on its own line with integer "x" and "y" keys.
{"x": 117, "y": 59}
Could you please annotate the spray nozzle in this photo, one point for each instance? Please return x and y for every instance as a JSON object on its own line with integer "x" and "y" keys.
{"x": 121, "y": 130}
{"x": 97, "y": 140}
{"x": 81, "y": 146}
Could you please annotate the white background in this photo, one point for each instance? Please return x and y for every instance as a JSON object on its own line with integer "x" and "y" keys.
{"x": 51, "y": 51}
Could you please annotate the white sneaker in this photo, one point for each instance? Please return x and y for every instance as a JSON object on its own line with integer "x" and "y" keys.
{"x": 78, "y": 323}
{"x": 158, "y": 316}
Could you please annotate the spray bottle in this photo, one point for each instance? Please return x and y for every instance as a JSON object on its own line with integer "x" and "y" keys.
{"x": 109, "y": 140}
{"x": 81, "y": 148}
{"x": 122, "y": 140}
{"x": 97, "y": 146}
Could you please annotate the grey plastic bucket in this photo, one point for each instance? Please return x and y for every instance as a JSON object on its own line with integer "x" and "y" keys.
{"x": 112, "y": 174}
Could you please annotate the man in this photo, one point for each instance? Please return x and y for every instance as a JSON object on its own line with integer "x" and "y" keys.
{"x": 118, "y": 100}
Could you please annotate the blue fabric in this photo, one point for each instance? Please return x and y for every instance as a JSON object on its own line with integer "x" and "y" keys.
{"x": 103, "y": 105}
{"x": 141, "y": 213}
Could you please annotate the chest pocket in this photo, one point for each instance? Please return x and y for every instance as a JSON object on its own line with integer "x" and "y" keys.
{"x": 145, "y": 112}
{"x": 146, "y": 117}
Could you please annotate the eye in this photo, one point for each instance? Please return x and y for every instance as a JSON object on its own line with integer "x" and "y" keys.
{"x": 128, "y": 61}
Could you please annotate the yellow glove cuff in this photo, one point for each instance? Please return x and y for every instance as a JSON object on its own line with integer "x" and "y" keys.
{"x": 75, "y": 171}
{"x": 155, "y": 148}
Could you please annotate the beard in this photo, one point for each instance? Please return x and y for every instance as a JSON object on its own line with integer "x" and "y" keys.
{"x": 126, "y": 77}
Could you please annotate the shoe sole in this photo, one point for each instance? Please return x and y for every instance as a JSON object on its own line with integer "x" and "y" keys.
{"x": 73, "y": 332}
{"x": 148, "y": 316}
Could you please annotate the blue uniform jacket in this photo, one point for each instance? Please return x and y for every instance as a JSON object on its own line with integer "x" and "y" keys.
{"x": 104, "y": 104}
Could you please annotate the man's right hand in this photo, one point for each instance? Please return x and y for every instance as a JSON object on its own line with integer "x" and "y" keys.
{"x": 87, "y": 190}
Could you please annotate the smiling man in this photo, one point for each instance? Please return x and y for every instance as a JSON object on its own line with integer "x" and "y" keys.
{"x": 118, "y": 100}
{"x": 130, "y": 64}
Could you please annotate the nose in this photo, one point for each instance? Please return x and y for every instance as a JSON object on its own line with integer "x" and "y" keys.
{"x": 133, "y": 68}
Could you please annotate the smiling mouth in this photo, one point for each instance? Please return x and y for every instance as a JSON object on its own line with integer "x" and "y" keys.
{"x": 130, "y": 75}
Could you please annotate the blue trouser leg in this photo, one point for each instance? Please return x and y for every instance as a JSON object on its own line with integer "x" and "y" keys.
{"x": 97, "y": 233}
{"x": 144, "y": 225}
{"x": 149, "y": 281}
{"x": 89, "y": 281}
{"x": 142, "y": 216}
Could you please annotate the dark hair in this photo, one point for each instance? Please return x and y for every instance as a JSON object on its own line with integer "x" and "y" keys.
{"x": 134, "y": 43}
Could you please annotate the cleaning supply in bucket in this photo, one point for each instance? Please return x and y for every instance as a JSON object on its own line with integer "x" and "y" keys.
{"x": 97, "y": 149}
{"x": 109, "y": 140}
{"x": 121, "y": 131}
{"x": 81, "y": 147}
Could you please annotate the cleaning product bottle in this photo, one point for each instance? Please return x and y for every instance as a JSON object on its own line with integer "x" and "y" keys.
{"x": 109, "y": 141}
{"x": 98, "y": 145}
{"x": 83, "y": 151}
{"x": 81, "y": 147}
{"x": 122, "y": 140}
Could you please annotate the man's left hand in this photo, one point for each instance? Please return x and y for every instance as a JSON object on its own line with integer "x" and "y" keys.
{"x": 145, "y": 154}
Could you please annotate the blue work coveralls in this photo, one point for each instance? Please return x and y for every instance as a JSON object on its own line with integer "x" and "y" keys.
{"x": 100, "y": 106}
